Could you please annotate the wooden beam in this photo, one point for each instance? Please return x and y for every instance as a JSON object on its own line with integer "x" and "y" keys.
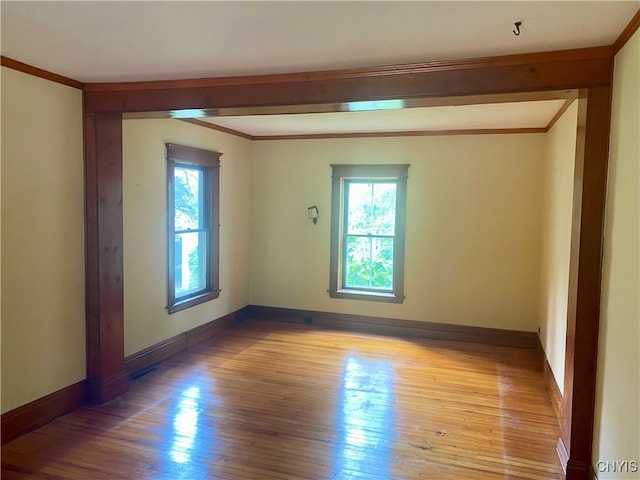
{"x": 106, "y": 375}
{"x": 585, "y": 272}
{"x": 515, "y": 73}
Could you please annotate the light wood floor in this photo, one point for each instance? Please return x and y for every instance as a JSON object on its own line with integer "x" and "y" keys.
{"x": 278, "y": 401}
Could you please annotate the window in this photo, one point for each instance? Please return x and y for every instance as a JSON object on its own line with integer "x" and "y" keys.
{"x": 192, "y": 226}
{"x": 368, "y": 204}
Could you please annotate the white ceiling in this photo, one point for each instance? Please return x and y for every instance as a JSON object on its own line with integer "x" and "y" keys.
{"x": 132, "y": 40}
{"x": 93, "y": 41}
{"x": 487, "y": 116}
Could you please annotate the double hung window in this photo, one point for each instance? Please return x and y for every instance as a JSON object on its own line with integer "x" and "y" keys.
{"x": 192, "y": 218}
{"x": 367, "y": 232}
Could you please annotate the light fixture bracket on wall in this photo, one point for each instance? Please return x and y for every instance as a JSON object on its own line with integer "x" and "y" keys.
{"x": 312, "y": 213}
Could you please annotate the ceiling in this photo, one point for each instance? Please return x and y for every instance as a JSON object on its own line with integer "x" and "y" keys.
{"x": 116, "y": 41}
{"x": 134, "y": 41}
{"x": 514, "y": 115}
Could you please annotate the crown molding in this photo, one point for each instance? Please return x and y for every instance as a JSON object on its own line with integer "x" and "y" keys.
{"x": 39, "y": 72}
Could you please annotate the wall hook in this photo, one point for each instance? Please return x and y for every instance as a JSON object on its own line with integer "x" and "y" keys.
{"x": 516, "y": 32}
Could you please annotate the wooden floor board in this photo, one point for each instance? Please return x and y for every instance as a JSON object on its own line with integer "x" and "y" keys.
{"x": 279, "y": 401}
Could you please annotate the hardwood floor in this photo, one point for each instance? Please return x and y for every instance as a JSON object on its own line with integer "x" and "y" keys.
{"x": 269, "y": 400}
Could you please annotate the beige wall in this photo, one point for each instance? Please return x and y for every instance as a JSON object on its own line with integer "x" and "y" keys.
{"x": 145, "y": 232}
{"x": 43, "y": 326}
{"x": 617, "y": 421}
{"x": 473, "y": 226}
{"x": 556, "y": 239}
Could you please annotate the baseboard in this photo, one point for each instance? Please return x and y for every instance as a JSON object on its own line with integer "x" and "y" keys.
{"x": 106, "y": 389}
{"x": 563, "y": 455}
{"x": 397, "y": 327}
{"x": 552, "y": 385}
{"x": 213, "y": 328}
{"x": 35, "y": 414}
{"x": 578, "y": 470}
{"x": 155, "y": 354}
{"x": 167, "y": 348}
{"x": 43, "y": 410}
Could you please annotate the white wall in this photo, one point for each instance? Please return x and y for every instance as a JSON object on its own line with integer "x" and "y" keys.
{"x": 473, "y": 226}
{"x": 556, "y": 239}
{"x": 617, "y": 420}
{"x": 43, "y": 317}
{"x": 146, "y": 320}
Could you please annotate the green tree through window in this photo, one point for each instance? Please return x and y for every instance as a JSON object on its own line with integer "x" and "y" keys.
{"x": 369, "y": 234}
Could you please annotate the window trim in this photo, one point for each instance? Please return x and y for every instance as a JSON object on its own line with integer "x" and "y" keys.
{"x": 209, "y": 162}
{"x": 396, "y": 172}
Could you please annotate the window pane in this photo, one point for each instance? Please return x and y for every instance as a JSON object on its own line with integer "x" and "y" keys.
{"x": 369, "y": 263}
{"x": 190, "y": 262}
{"x": 371, "y": 208}
{"x": 382, "y": 263}
{"x": 358, "y": 210}
{"x": 188, "y": 198}
{"x": 357, "y": 265}
{"x": 384, "y": 208}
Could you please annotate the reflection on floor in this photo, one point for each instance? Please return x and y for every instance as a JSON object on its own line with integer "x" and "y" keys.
{"x": 365, "y": 419}
{"x": 185, "y": 425}
{"x": 275, "y": 401}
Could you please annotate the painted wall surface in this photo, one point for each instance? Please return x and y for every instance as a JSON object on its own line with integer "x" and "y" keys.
{"x": 473, "y": 233}
{"x": 43, "y": 317}
{"x": 617, "y": 419}
{"x": 556, "y": 239}
{"x": 146, "y": 319}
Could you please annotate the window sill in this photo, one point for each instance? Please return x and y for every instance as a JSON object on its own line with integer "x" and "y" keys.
{"x": 368, "y": 296}
{"x": 193, "y": 301}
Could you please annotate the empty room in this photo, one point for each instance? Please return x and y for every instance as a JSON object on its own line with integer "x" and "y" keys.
{"x": 320, "y": 240}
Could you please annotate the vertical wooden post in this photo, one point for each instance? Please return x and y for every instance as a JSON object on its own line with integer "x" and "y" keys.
{"x": 585, "y": 272}
{"x": 106, "y": 375}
